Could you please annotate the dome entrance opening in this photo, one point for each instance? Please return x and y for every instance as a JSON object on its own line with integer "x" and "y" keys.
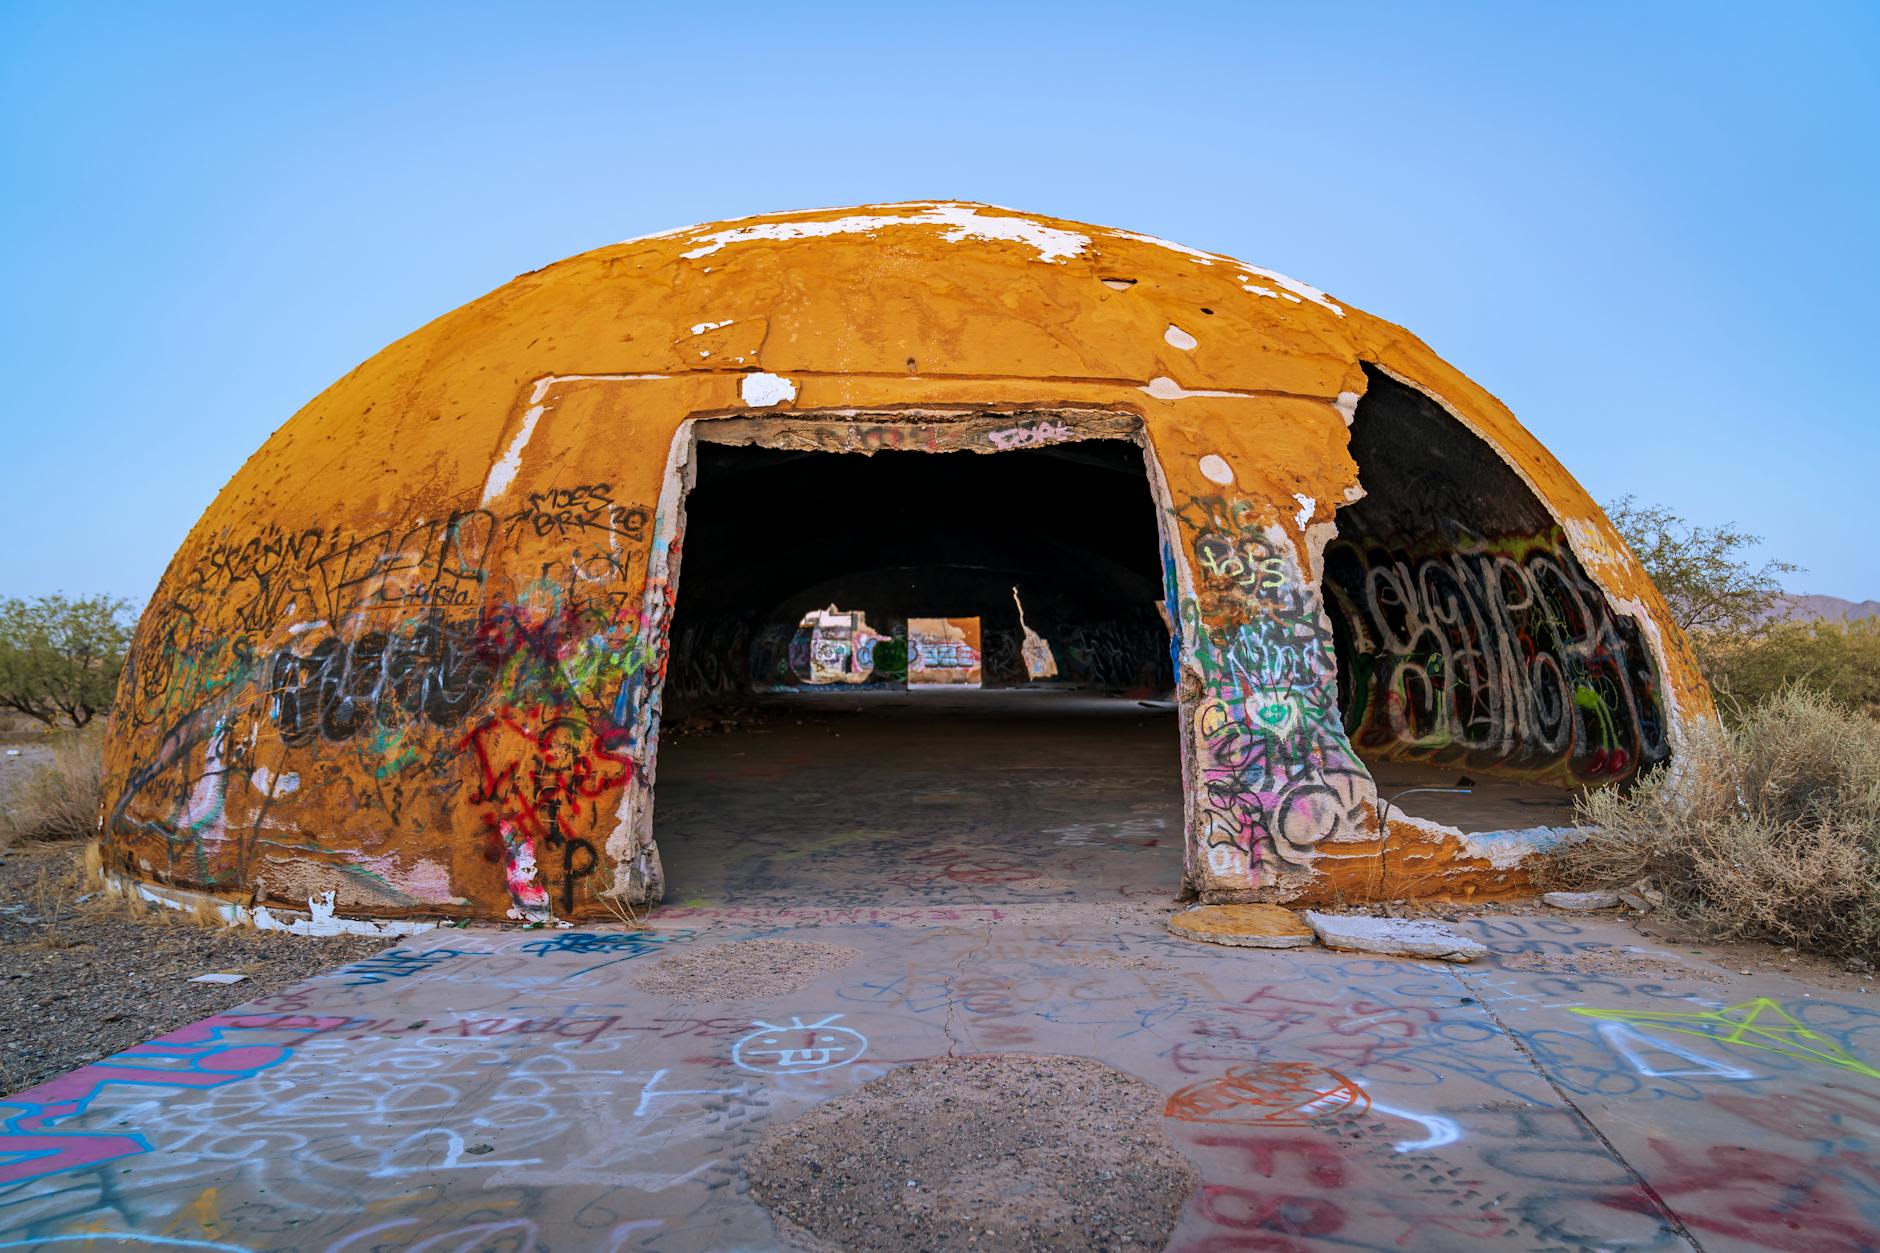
{"x": 918, "y": 678}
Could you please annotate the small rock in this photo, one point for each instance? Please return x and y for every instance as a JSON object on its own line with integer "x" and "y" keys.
{"x": 1244, "y": 926}
{"x": 1581, "y": 902}
{"x": 480, "y": 1149}
{"x": 1397, "y": 937}
{"x": 219, "y": 976}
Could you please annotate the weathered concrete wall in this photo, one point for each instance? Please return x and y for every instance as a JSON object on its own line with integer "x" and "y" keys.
{"x": 412, "y": 653}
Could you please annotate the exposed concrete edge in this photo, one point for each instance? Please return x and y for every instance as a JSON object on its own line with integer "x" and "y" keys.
{"x": 319, "y": 920}
{"x": 1504, "y": 849}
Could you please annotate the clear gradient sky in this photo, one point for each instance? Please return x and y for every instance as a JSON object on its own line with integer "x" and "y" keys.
{"x": 1651, "y": 229}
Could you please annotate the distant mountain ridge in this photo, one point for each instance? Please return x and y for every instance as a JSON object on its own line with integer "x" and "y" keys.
{"x": 1800, "y": 608}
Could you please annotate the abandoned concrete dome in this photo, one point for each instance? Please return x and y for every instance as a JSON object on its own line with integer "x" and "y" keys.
{"x": 415, "y": 654}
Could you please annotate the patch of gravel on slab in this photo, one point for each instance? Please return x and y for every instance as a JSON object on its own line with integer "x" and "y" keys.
{"x": 1111, "y": 961}
{"x": 84, "y": 981}
{"x": 744, "y": 970}
{"x": 1612, "y": 961}
{"x": 1013, "y": 1151}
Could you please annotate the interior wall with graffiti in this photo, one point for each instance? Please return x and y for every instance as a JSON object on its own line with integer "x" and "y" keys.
{"x": 1466, "y": 631}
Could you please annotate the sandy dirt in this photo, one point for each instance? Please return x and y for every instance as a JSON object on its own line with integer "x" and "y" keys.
{"x": 20, "y": 756}
{"x": 1008, "y": 1152}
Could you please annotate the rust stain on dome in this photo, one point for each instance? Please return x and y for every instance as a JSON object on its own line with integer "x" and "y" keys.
{"x": 412, "y": 652}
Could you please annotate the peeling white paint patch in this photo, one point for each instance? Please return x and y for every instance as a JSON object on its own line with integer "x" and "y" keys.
{"x": 268, "y": 783}
{"x": 504, "y": 472}
{"x": 1307, "y": 507}
{"x": 1214, "y": 469}
{"x": 204, "y": 811}
{"x": 1506, "y": 849}
{"x": 1293, "y": 285}
{"x": 761, "y": 390}
{"x": 1118, "y": 284}
{"x": 1347, "y": 406}
{"x": 1254, "y": 289}
{"x": 1294, "y": 290}
{"x": 321, "y": 920}
{"x": 300, "y": 628}
{"x": 702, "y": 327}
{"x": 1165, "y": 388}
{"x": 1204, "y": 258}
{"x": 640, "y": 239}
{"x": 1179, "y": 338}
{"x": 1593, "y": 549}
{"x": 426, "y": 882}
{"x": 963, "y": 222}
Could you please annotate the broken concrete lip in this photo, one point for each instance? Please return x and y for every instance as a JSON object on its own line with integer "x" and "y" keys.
{"x": 1395, "y": 937}
{"x": 1581, "y": 902}
{"x": 1243, "y": 926}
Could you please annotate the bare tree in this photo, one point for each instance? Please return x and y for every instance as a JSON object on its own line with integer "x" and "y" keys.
{"x": 1701, "y": 570}
{"x": 60, "y": 658}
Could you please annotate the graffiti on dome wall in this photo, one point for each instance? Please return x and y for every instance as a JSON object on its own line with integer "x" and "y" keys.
{"x": 1469, "y": 635}
{"x": 1496, "y": 652}
{"x": 479, "y": 675}
{"x": 1272, "y": 772}
{"x": 490, "y": 675}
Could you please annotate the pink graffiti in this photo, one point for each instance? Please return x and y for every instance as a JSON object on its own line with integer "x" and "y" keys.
{"x": 201, "y": 1055}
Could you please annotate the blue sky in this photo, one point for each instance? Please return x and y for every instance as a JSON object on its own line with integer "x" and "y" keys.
{"x": 1649, "y": 228}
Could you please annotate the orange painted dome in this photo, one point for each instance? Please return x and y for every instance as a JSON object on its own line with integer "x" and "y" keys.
{"x": 451, "y": 572}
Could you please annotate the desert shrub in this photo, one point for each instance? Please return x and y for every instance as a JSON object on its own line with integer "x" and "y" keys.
{"x": 1766, "y": 829}
{"x": 1841, "y": 660}
{"x": 60, "y": 800}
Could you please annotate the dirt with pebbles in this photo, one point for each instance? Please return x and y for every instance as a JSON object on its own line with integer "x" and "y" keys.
{"x": 1012, "y": 1151}
{"x": 85, "y": 978}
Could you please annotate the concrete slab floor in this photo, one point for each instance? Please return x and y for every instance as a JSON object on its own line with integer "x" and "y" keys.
{"x": 1580, "y": 1088}
{"x": 929, "y": 797}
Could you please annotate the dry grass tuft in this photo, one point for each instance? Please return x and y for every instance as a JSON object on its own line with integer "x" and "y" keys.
{"x": 612, "y": 895}
{"x": 1766, "y": 830}
{"x": 62, "y": 798}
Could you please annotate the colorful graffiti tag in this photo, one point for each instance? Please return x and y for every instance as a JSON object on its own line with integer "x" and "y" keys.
{"x": 1492, "y": 652}
{"x": 216, "y": 1051}
{"x": 399, "y": 678}
{"x": 1276, "y": 773}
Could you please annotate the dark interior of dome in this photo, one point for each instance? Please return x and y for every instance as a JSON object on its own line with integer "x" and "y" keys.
{"x": 1468, "y": 635}
{"x": 773, "y": 535}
